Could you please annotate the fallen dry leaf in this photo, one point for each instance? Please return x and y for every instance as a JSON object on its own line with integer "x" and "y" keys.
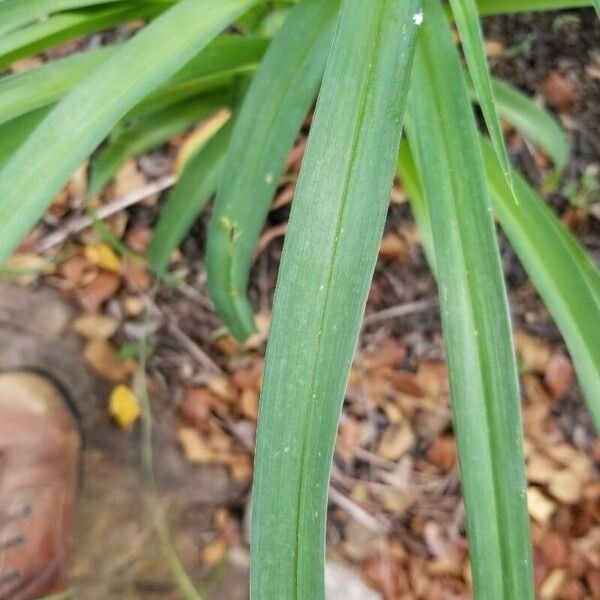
{"x": 104, "y": 359}
{"x": 98, "y": 326}
{"x": 442, "y": 453}
{"x": 534, "y": 352}
{"x": 559, "y": 375}
{"x": 92, "y": 296}
{"x": 396, "y": 441}
{"x": 393, "y": 247}
{"x": 123, "y": 406}
{"x": 136, "y": 275}
{"x": 540, "y": 507}
{"x": 558, "y": 92}
{"x": 195, "y": 447}
{"x": 249, "y": 404}
{"x": 388, "y": 354}
{"x": 553, "y": 584}
{"x": 566, "y": 486}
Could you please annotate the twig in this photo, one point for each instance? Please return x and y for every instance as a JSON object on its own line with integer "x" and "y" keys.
{"x": 196, "y": 352}
{"x": 402, "y": 310}
{"x": 357, "y": 512}
{"x": 81, "y": 223}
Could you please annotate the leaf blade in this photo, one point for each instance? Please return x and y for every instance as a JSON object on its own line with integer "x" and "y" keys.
{"x": 78, "y": 124}
{"x": 467, "y": 20}
{"x": 276, "y": 103}
{"x": 565, "y": 277}
{"x": 328, "y": 260}
{"x": 485, "y": 397}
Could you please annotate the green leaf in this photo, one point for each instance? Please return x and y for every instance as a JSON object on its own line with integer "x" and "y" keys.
{"x": 533, "y": 122}
{"x": 47, "y": 84}
{"x": 277, "y": 101}
{"x": 16, "y": 13}
{"x": 492, "y": 7}
{"x": 148, "y": 133}
{"x": 14, "y": 133}
{"x": 44, "y": 163}
{"x": 485, "y": 394}
{"x": 467, "y": 20}
{"x": 410, "y": 177}
{"x": 328, "y": 260}
{"x": 68, "y": 26}
{"x": 567, "y": 280}
{"x": 227, "y": 57}
{"x": 196, "y": 185}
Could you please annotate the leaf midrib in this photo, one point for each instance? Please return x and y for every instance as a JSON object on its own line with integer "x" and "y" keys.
{"x": 334, "y": 253}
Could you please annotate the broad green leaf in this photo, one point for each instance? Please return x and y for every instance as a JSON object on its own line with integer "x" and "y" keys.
{"x": 277, "y": 102}
{"x": 47, "y": 84}
{"x": 533, "y": 122}
{"x": 68, "y": 26}
{"x": 469, "y": 28}
{"x": 148, "y": 133}
{"x": 328, "y": 260}
{"x": 71, "y": 132}
{"x": 597, "y": 7}
{"x": 16, "y": 13}
{"x": 196, "y": 185}
{"x": 567, "y": 280}
{"x": 491, "y": 7}
{"x": 485, "y": 394}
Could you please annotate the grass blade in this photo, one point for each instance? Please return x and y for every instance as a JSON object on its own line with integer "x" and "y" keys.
{"x": 47, "y": 84}
{"x": 567, "y": 280}
{"x": 469, "y": 28}
{"x": 44, "y": 163}
{"x": 329, "y": 256}
{"x": 197, "y": 183}
{"x": 148, "y": 133}
{"x": 483, "y": 378}
{"x": 277, "y": 102}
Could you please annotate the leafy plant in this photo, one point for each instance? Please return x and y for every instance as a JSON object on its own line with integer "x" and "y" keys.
{"x": 363, "y": 61}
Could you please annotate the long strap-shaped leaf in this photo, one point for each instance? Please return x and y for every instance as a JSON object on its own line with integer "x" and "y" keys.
{"x": 63, "y": 27}
{"x": 534, "y": 122}
{"x": 565, "y": 277}
{"x": 491, "y": 7}
{"x": 329, "y": 256}
{"x": 82, "y": 120}
{"x": 44, "y": 85}
{"x": 197, "y": 183}
{"x": 279, "y": 97}
{"x": 16, "y": 13}
{"x": 485, "y": 393}
{"x": 467, "y": 20}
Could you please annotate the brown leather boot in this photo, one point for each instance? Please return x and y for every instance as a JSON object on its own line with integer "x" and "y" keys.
{"x": 39, "y": 472}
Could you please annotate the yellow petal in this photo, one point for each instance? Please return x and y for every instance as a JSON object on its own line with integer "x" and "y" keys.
{"x": 124, "y": 406}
